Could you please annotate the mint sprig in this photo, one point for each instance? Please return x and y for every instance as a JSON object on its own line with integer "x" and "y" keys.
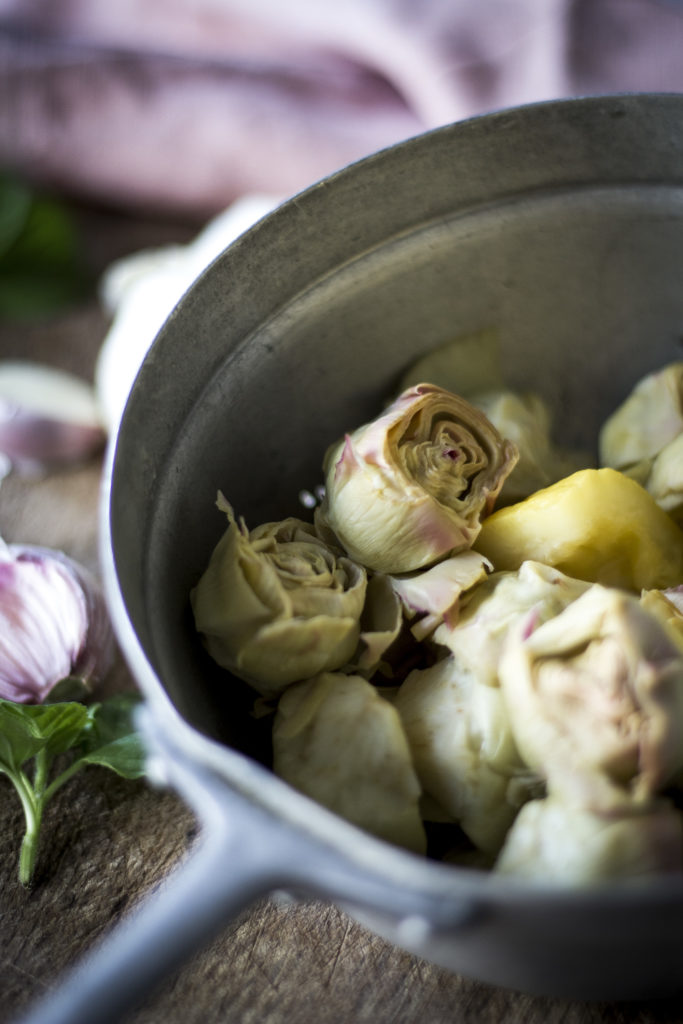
{"x": 32, "y": 736}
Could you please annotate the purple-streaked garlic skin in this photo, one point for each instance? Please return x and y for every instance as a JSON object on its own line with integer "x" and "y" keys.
{"x": 53, "y": 624}
{"x": 48, "y": 418}
{"x": 33, "y": 443}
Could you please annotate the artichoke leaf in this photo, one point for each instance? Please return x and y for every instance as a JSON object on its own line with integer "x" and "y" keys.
{"x": 558, "y": 843}
{"x": 336, "y": 739}
{"x": 649, "y": 419}
{"x": 524, "y": 419}
{"x": 463, "y": 749}
{"x": 595, "y": 697}
{"x": 488, "y": 613}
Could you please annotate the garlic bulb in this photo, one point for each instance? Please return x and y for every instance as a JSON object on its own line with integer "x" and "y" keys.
{"x": 47, "y": 417}
{"x": 54, "y": 628}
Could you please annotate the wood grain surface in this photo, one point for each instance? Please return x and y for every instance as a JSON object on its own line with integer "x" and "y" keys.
{"x": 107, "y": 842}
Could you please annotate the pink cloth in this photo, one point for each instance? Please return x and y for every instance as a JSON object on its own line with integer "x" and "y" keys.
{"x": 186, "y": 104}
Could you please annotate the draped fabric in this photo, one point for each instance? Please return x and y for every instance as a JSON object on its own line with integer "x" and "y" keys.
{"x": 187, "y": 104}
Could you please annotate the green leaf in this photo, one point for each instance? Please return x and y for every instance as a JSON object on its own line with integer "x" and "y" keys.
{"x": 102, "y": 734}
{"x": 26, "y": 729}
{"x": 67, "y": 689}
{"x": 126, "y": 756}
{"x": 111, "y": 740}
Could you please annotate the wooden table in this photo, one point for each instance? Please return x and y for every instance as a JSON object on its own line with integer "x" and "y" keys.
{"x": 108, "y": 842}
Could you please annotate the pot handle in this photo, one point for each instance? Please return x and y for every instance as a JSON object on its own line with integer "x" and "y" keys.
{"x": 243, "y": 854}
{"x": 229, "y": 869}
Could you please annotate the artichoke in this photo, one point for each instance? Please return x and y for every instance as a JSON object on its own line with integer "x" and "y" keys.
{"x": 411, "y": 487}
{"x": 276, "y": 605}
{"x": 596, "y": 525}
{"x": 644, "y": 437}
{"x": 552, "y": 841}
{"x": 648, "y": 420}
{"x": 595, "y": 697}
{"x": 524, "y": 419}
{"x": 664, "y": 480}
{"x": 488, "y": 613}
{"x": 463, "y": 749}
{"x": 336, "y": 739}
{"x": 667, "y": 606}
{"x": 432, "y": 596}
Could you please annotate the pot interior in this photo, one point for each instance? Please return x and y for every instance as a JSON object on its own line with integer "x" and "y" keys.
{"x": 558, "y": 227}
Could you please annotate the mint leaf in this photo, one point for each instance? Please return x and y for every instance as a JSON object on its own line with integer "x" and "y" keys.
{"x": 28, "y": 729}
{"x": 125, "y": 756}
{"x": 110, "y": 739}
{"x": 102, "y": 734}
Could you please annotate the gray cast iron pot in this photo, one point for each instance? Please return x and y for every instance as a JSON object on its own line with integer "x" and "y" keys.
{"x": 561, "y": 225}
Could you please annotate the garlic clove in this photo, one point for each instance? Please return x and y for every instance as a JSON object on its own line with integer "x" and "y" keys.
{"x": 53, "y": 625}
{"x": 48, "y": 417}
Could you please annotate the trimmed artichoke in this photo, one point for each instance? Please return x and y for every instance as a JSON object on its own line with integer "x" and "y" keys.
{"x": 555, "y": 842}
{"x": 648, "y": 420}
{"x": 336, "y": 739}
{"x": 667, "y": 607}
{"x": 463, "y": 749}
{"x": 277, "y": 605}
{"x": 411, "y": 487}
{"x": 644, "y": 437}
{"x": 524, "y": 419}
{"x": 595, "y": 697}
{"x": 467, "y": 365}
{"x": 665, "y": 479}
{"x": 595, "y": 525}
{"x": 488, "y": 613}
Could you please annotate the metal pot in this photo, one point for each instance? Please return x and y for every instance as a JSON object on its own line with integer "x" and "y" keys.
{"x": 559, "y": 224}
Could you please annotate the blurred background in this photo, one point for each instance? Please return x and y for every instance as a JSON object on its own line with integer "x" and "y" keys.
{"x": 177, "y": 107}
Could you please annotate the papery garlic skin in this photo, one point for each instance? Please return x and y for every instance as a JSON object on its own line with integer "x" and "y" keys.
{"x": 463, "y": 749}
{"x": 53, "y": 624}
{"x": 412, "y": 486}
{"x": 558, "y": 843}
{"x": 48, "y": 417}
{"x": 487, "y": 614}
{"x": 336, "y": 739}
{"x": 276, "y": 605}
{"x": 595, "y": 697}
